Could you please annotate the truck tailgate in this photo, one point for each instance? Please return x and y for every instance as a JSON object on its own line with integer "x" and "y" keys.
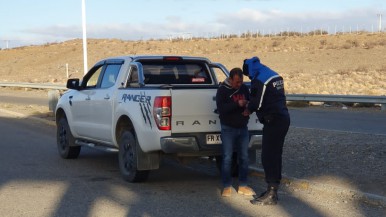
{"x": 193, "y": 111}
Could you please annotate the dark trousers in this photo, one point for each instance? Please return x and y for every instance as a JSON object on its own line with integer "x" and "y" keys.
{"x": 274, "y": 132}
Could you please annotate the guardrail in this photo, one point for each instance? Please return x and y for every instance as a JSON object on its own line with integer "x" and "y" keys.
{"x": 34, "y": 85}
{"x": 290, "y": 97}
{"x": 339, "y": 98}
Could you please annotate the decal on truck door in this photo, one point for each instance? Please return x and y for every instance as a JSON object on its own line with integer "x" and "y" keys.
{"x": 144, "y": 104}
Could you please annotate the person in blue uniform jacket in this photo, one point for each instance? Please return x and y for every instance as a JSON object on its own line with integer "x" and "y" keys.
{"x": 268, "y": 100}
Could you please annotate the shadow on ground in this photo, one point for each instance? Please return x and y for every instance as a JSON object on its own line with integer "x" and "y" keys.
{"x": 35, "y": 181}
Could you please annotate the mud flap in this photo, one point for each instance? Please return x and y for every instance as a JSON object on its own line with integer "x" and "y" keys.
{"x": 147, "y": 161}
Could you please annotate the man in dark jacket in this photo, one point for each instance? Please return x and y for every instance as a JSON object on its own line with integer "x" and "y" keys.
{"x": 268, "y": 100}
{"x": 231, "y": 99}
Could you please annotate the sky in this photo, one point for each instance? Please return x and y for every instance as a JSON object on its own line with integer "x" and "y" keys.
{"x": 26, "y": 22}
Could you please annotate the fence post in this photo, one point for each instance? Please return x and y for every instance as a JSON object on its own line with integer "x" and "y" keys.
{"x": 67, "y": 70}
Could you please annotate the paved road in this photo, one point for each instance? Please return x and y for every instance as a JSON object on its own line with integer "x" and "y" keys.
{"x": 24, "y": 100}
{"x": 35, "y": 181}
{"x": 340, "y": 120}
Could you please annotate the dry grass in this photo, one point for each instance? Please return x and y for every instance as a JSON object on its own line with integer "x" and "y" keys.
{"x": 318, "y": 64}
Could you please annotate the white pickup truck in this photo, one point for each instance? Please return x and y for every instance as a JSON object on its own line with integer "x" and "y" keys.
{"x": 145, "y": 107}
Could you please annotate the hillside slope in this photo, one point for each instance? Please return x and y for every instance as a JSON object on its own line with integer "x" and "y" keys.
{"x": 336, "y": 64}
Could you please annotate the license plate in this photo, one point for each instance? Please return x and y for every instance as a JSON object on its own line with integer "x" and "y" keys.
{"x": 213, "y": 139}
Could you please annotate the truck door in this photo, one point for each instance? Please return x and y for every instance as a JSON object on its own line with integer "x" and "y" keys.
{"x": 101, "y": 103}
{"x": 80, "y": 101}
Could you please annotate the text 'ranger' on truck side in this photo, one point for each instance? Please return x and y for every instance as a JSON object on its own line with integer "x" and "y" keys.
{"x": 145, "y": 107}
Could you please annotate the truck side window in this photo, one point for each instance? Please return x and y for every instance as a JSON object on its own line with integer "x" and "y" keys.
{"x": 220, "y": 76}
{"x": 133, "y": 77}
{"x": 92, "y": 80}
{"x": 110, "y": 75}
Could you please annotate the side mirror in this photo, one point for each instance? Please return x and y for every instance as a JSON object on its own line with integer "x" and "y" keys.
{"x": 73, "y": 83}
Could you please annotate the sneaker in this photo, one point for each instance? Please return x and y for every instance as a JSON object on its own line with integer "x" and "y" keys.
{"x": 267, "y": 198}
{"x": 226, "y": 192}
{"x": 245, "y": 190}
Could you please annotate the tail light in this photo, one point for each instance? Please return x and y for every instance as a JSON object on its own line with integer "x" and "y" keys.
{"x": 172, "y": 58}
{"x": 162, "y": 111}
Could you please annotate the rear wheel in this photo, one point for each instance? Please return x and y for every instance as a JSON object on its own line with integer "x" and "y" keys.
{"x": 65, "y": 140}
{"x": 127, "y": 158}
{"x": 235, "y": 165}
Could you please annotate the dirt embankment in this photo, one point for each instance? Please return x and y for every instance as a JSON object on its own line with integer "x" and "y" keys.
{"x": 335, "y": 64}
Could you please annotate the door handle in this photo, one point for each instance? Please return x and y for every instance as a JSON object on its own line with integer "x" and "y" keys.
{"x": 107, "y": 97}
{"x": 88, "y": 98}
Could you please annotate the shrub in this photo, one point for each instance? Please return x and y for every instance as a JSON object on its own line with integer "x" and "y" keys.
{"x": 382, "y": 43}
{"x": 343, "y": 72}
{"x": 353, "y": 43}
{"x": 275, "y": 44}
{"x": 318, "y": 32}
{"x": 290, "y": 33}
{"x": 369, "y": 45}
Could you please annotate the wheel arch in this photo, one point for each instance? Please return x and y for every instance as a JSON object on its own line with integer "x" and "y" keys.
{"x": 123, "y": 123}
{"x": 59, "y": 114}
{"x": 145, "y": 161}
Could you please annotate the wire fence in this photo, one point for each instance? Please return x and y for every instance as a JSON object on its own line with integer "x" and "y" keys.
{"x": 282, "y": 32}
{"x": 279, "y": 32}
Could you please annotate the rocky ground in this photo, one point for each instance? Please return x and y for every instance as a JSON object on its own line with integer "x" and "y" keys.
{"x": 351, "y": 160}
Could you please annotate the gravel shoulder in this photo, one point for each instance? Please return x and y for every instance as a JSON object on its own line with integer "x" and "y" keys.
{"x": 351, "y": 160}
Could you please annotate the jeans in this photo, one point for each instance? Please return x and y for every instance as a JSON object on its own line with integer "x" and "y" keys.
{"x": 234, "y": 139}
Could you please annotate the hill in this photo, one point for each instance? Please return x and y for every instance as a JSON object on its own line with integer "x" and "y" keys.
{"x": 319, "y": 64}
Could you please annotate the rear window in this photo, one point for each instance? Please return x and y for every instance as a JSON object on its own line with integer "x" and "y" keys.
{"x": 177, "y": 72}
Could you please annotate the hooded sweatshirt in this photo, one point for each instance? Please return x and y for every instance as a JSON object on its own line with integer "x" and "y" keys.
{"x": 267, "y": 89}
{"x": 227, "y": 105}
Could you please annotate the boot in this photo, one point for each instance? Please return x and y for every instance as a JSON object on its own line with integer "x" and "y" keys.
{"x": 226, "y": 192}
{"x": 245, "y": 190}
{"x": 268, "y": 197}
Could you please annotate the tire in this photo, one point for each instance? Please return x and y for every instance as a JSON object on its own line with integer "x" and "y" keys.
{"x": 65, "y": 141}
{"x": 235, "y": 165}
{"x": 127, "y": 159}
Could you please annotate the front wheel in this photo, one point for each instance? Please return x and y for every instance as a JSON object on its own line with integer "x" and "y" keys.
{"x": 127, "y": 158}
{"x": 65, "y": 140}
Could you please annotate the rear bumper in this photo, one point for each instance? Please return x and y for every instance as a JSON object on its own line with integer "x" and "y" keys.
{"x": 195, "y": 143}
{"x": 255, "y": 141}
{"x": 179, "y": 144}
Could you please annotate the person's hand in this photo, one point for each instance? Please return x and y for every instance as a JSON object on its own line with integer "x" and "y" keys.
{"x": 243, "y": 102}
{"x": 246, "y": 112}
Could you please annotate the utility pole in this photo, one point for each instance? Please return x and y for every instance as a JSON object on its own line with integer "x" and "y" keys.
{"x": 84, "y": 36}
{"x": 380, "y": 22}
